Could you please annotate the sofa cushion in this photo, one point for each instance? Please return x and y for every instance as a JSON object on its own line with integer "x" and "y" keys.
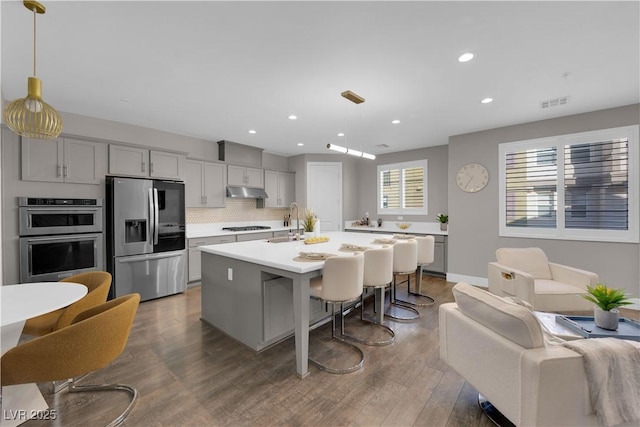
{"x": 530, "y": 260}
{"x": 506, "y": 318}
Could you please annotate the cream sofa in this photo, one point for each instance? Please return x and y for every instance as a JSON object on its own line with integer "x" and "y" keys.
{"x": 499, "y": 348}
{"x": 526, "y": 273}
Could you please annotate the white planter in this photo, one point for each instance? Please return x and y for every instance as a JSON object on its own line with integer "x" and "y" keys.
{"x": 606, "y": 319}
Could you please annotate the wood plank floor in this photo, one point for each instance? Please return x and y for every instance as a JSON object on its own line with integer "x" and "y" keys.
{"x": 188, "y": 373}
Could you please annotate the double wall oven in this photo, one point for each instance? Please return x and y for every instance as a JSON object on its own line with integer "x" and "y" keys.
{"x": 59, "y": 237}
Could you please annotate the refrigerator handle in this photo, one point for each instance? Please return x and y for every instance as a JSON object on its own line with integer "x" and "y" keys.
{"x": 155, "y": 216}
{"x": 152, "y": 220}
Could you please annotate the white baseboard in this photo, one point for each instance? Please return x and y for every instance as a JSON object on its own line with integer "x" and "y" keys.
{"x": 472, "y": 280}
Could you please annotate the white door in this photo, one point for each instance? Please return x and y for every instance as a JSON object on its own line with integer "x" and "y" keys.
{"x": 324, "y": 193}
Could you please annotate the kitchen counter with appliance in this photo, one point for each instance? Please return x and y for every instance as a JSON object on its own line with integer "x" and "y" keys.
{"x": 257, "y": 293}
{"x": 195, "y": 231}
{"x": 439, "y": 265}
{"x": 432, "y": 228}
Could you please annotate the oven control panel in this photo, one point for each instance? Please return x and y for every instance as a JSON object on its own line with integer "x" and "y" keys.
{"x": 41, "y": 201}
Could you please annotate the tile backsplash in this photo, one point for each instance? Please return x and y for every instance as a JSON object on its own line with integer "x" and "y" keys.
{"x": 236, "y": 210}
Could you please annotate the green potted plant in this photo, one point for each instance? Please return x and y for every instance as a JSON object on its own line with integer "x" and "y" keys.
{"x": 443, "y": 219}
{"x": 309, "y": 221}
{"x": 606, "y": 300}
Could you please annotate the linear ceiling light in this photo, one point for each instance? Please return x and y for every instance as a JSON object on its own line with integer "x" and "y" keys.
{"x": 356, "y": 99}
{"x": 31, "y": 116}
{"x": 337, "y": 148}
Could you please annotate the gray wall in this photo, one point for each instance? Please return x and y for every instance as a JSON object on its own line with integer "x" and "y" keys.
{"x": 436, "y": 182}
{"x": 473, "y": 218}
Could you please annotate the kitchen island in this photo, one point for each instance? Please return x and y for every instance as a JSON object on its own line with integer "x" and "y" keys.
{"x": 257, "y": 292}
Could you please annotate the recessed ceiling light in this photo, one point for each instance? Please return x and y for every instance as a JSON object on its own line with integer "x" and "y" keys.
{"x": 300, "y": 144}
{"x": 466, "y": 57}
{"x": 341, "y": 134}
{"x": 487, "y": 100}
{"x": 252, "y": 131}
{"x": 395, "y": 122}
{"x": 293, "y": 117}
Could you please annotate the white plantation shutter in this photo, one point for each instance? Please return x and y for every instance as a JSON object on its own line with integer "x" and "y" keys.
{"x": 580, "y": 186}
{"x": 402, "y": 188}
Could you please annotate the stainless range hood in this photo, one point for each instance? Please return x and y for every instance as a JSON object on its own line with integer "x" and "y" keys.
{"x": 246, "y": 192}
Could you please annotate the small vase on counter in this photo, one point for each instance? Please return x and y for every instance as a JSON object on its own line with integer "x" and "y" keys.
{"x": 443, "y": 226}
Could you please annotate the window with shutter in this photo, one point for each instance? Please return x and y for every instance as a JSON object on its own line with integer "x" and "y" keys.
{"x": 402, "y": 188}
{"x": 578, "y": 187}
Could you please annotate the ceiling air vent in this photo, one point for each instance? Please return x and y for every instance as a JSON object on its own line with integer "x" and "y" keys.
{"x": 554, "y": 102}
{"x": 382, "y": 146}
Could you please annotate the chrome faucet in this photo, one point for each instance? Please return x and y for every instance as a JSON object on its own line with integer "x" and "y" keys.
{"x": 291, "y": 207}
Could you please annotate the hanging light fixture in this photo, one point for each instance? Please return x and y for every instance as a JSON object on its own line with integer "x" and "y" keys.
{"x": 356, "y": 99}
{"x": 31, "y": 116}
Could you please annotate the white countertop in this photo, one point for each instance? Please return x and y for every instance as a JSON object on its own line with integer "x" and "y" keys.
{"x": 281, "y": 255}
{"x": 391, "y": 227}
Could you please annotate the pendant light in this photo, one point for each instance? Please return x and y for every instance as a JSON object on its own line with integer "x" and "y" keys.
{"x": 356, "y": 99}
{"x": 31, "y": 116}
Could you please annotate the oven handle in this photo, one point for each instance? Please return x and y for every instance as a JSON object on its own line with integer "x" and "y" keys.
{"x": 66, "y": 237}
{"x": 63, "y": 210}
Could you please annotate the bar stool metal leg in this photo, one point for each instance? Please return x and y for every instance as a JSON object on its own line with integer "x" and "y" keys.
{"x": 377, "y": 323}
{"x": 430, "y": 301}
{"x": 394, "y": 304}
{"x": 341, "y": 340}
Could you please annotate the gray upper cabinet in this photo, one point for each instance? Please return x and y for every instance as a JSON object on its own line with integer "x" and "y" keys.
{"x": 166, "y": 165}
{"x": 63, "y": 160}
{"x": 205, "y": 184}
{"x": 280, "y": 187}
{"x": 135, "y": 161}
{"x": 243, "y": 176}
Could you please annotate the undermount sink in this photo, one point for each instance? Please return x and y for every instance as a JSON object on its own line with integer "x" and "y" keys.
{"x": 278, "y": 239}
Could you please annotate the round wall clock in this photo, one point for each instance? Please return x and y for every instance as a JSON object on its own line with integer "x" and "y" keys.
{"x": 472, "y": 177}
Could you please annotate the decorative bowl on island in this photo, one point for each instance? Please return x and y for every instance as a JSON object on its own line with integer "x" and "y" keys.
{"x": 403, "y": 225}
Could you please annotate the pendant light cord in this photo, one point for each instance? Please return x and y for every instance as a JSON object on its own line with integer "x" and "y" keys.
{"x": 34, "y": 42}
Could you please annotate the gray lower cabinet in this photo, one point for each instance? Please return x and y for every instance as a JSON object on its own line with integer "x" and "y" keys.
{"x": 195, "y": 256}
{"x": 277, "y": 309}
{"x": 254, "y": 236}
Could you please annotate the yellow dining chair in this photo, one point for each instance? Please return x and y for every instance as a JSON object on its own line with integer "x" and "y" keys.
{"x": 94, "y": 339}
{"x": 98, "y": 284}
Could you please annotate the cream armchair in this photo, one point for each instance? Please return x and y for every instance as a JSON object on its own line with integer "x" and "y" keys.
{"x": 499, "y": 348}
{"x": 526, "y": 273}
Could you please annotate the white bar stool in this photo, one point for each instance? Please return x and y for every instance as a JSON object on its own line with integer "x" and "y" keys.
{"x": 426, "y": 254}
{"x": 405, "y": 261}
{"x": 378, "y": 274}
{"x": 342, "y": 281}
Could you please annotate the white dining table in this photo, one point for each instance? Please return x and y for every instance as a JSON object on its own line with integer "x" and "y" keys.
{"x": 17, "y": 304}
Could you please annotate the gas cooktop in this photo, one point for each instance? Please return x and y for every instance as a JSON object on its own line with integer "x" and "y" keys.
{"x": 247, "y": 228}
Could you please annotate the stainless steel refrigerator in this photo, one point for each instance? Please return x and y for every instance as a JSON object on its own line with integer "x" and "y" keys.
{"x": 145, "y": 233}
